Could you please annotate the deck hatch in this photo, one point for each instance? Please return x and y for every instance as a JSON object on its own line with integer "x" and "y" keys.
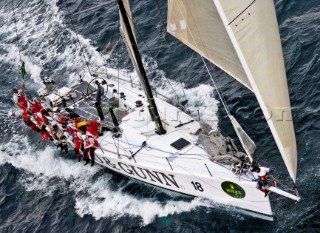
{"x": 180, "y": 143}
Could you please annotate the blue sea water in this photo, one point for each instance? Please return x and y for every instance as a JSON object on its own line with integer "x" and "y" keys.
{"x": 43, "y": 191}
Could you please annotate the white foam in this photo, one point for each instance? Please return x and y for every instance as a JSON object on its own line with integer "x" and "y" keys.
{"x": 116, "y": 204}
{"x": 40, "y": 43}
{"x": 91, "y": 197}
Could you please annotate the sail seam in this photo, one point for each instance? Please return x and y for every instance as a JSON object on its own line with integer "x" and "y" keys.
{"x": 208, "y": 71}
{"x": 242, "y": 12}
{"x": 255, "y": 89}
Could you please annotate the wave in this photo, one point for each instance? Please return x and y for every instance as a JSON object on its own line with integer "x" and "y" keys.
{"x": 92, "y": 196}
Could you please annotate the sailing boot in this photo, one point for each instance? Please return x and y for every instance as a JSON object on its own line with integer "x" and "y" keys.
{"x": 92, "y": 162}
{"x": 266, "y": 193}
{"x": 87, "y": 160}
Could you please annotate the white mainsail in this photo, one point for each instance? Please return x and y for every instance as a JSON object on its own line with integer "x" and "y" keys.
{"x": 198, "y": 25}
{"x": 253, "y": 34}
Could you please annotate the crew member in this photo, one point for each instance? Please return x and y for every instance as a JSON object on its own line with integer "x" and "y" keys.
{"x": 34, "y": 105}
{"x": 40, "y": 120}
{"x": 59, "y": 136}
{"x": 261, "y": 174}
{"x": 90, "y": 145}
{"x": 25, "y": 114}
{"x": 45, "y": 102}
{"x": 19, "y": 97}
{"x": 44, "y": 132}
{"x": 62, "y": 119}
{"x": 78, "y": 143}
{"x": 93, "y": 128}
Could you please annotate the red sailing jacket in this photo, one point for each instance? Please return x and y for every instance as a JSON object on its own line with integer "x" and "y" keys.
{"x": 62, "y": 119}
{"x": 22, "y": 102}
{"x": 36, "y": 107}
{"x": 40, "y": 120}
{"x": 93, "y": 129}
{"x": 76, "y": 140}
{"x": 25, "y": 116}
{"x": 91, "y": 142}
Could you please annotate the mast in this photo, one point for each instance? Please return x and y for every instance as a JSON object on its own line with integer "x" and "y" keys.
{"x": 131, "y": 42}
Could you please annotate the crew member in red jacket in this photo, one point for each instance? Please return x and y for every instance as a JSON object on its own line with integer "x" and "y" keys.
{"x": 78, "y": 143}
{"x": 25, "y": 114}
{"x": 93, "y": 128}
{"x": 90, "y": 145}
{"x": 262, "y": 174}
{"x": 34, "y": 105}
{"x": 19, "y": 97}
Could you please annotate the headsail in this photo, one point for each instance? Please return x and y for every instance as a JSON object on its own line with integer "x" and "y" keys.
{"x": 246, "y": 142}
{"x": 252, "y": 29}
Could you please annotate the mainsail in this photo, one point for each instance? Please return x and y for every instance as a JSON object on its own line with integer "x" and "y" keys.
{"x": 198, "y": 25}
{"x": 251, "y": 32}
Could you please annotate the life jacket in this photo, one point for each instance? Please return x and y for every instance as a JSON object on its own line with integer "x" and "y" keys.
{"x": 45, "y": 135}
{"x": 26, "y": 115}
{"x": 93, "y": 129}
{"x": 36, "y": 107}
{"x": 71, "y": 128}
{"x": 77, "y": 140}
{"x": 62, "y": 119}
{"x": 22, "y": 102}
{"x": 40, "y": 118}
{"x": 91, "y": 141}
{"x": 264, "y": 177}
{"x": 26, "y": 118}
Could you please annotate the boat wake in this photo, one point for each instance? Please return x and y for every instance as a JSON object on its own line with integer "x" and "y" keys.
{"x": 46, "y": 172}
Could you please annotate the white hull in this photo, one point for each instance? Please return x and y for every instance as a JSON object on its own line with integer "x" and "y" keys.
{"x": 186, "y": 170}
{"x": 199, "y": 185}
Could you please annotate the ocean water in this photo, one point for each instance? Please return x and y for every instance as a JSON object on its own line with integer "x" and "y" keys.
{"x": 44, "y": 191}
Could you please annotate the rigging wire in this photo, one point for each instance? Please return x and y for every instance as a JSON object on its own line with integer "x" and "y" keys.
{"x": 163, "y": 23}
{"x": 91, "y": 8}
{"x": 118, "y": 60}
{"x": 16, "y": 29}
{"x": 22, "y": 67}
{"x": 148, "y": 49}
{"x": 208, "y": 71}
{"x": 78, "y": 40}
{"x": 216, "y": 88}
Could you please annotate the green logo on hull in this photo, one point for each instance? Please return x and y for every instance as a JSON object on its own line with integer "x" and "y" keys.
{"x": 232, "y": 189}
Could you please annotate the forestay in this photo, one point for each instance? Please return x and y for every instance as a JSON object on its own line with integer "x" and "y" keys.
{"x": 246, "y": 35}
